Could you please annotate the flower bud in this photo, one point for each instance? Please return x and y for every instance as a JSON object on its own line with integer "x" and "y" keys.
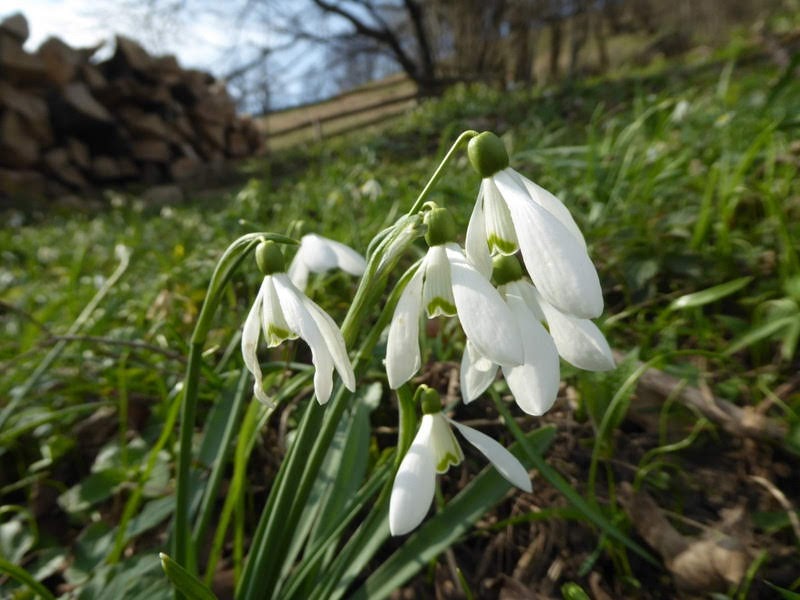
{"x": 441, "y": 227}
{"x": 429, "y": 400}
{"x": 269, "y": 258}
{"x": 506, "y": 269}
{"x": 487, "y": 153}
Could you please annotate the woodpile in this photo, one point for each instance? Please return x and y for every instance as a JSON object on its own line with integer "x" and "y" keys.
{"x": 70, "y": 124}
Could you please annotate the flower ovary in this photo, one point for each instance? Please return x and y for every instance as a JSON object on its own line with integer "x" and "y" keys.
{"x": 487, "y": 153}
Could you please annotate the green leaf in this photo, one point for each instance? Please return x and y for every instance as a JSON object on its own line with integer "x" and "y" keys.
{"x": 709, "y": 295}
{"x": 15, "y": 539}
{"x": 22, "y": 576}
{"x": 95, "y": 488}
{"x": 184, "y": 582}
{"x": 783, "y": 592}
{"x": 761, "y": 332}
{"x": 572, "y": 591}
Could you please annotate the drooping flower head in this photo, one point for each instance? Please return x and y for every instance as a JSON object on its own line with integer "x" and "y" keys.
{"x": 534, "y": 383}
{"x": 445, "y": 283}
{"x": 319, "y": 254}
{"x": 513, "y": 213}
{"x": 282, "y": 312}
{"x": 433, "y": 450}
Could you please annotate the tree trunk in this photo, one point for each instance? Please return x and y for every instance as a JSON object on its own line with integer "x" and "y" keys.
{"x": 555, "y": 47}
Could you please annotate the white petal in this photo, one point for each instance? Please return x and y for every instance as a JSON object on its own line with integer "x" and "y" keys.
{"x": 402, "y": 347}
{"x": 443, "y": 444}
{"x": 487, "y": 321}
{"x": 579, "y": 341}
{"x": 476, "y": 247}
{"x": 550, "y": 203}
{"x": 347, "y": 259}
{"x": 528, "y": 293}
{"x": 500, "y": 233}
{"x": 334, "y": 341}
{"x": 301, "y": 321}
{"x": 250, "y": 333}
{"x": 556, "y": 261}
{"x": 317, "y": 253}
{"x": 321, "y": 254}
{"x": 273, "y": 321}
{"x": 437, "y": 290}
{"x": 413, "y": 487}
{"x": 298, "y": 271}
{"x": 477, "y": 373}
{"x": 505, "y": 462}
{"x": 534, "y": 384}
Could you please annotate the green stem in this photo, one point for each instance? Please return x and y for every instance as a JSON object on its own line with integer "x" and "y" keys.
{"x": 217, "y": 472}
{"x": 182, "y": 533}
{"x": 226, "y": 266}
{"x": 437, "y": 174}
{"x": 259, "y": 574}
{"x": 22, "y": 576}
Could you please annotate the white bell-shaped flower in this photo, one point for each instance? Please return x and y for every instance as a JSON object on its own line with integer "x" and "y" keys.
{"x": 447, "y": 284}
{"x": 513, "y": 213}
{"x": 534, "y": 384}
{"x": 433, "y": 450}
{"x": 283, "y": 312}
{"x": 319, "y": 254}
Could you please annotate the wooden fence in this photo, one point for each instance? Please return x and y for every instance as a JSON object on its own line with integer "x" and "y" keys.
{"x": 368, "y": 105}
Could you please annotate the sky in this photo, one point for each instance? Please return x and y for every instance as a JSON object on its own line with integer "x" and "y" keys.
{"x": 200, "y": 39}
{"x": 211, "y": 35}
{"x": 199, "y": 43}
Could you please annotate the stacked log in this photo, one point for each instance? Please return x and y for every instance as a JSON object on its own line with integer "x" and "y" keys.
{"x": 68, "y": 123}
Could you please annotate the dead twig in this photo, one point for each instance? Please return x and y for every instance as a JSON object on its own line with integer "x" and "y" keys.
{"x": 736, "y": 420}
{"x": 782, "y": 500}
{"x": 114, "y": 342}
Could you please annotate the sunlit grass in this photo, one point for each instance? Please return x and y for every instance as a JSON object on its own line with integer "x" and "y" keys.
{"x": 682, "y": 180}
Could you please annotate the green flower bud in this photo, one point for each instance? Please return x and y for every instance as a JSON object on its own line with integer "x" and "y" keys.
{"x": 429, "y": 400}
{"x": 487, "y": 153}
{"x": 506, "y": 269}
{"x": 269, "y": 258}
{"x": 441, "y": 227}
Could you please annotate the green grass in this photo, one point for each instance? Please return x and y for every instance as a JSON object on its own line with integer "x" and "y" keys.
{"x": 682, "y": 180}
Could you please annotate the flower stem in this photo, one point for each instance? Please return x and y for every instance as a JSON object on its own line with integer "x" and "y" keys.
{"x": 227, "y": 264}
{"x": 437, "y": 174}
{"x": 182, "y": 534}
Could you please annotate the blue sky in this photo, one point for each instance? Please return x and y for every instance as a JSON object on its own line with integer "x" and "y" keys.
{"x": 199, "y": 43}
{"x": 201, "y": 37}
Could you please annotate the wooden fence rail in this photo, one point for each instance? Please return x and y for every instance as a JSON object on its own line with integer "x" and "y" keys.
{"x": 372, "y": 104}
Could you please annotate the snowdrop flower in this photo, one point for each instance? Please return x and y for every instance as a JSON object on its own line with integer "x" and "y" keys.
{"x": 513, "y": 213}
{"x": 433, "y": 451}
{"x": 318, "y": 254}
{"x": 282, "y": 312}
{"x": 534, "y": 383}
{"x": 447, "y": 284}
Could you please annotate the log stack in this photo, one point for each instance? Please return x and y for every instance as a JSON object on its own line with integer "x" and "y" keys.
{"x": 68, "y": 123}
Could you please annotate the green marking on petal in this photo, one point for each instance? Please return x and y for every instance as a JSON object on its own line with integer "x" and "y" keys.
{"x": 277, "y": 335}
{"x": 439, "y": 306}
{"x": 447, "y": 461}
{"x": 500, "y": 245}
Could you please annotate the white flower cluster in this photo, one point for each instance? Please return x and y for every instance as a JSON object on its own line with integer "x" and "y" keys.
{"x": 504, "y": 324}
